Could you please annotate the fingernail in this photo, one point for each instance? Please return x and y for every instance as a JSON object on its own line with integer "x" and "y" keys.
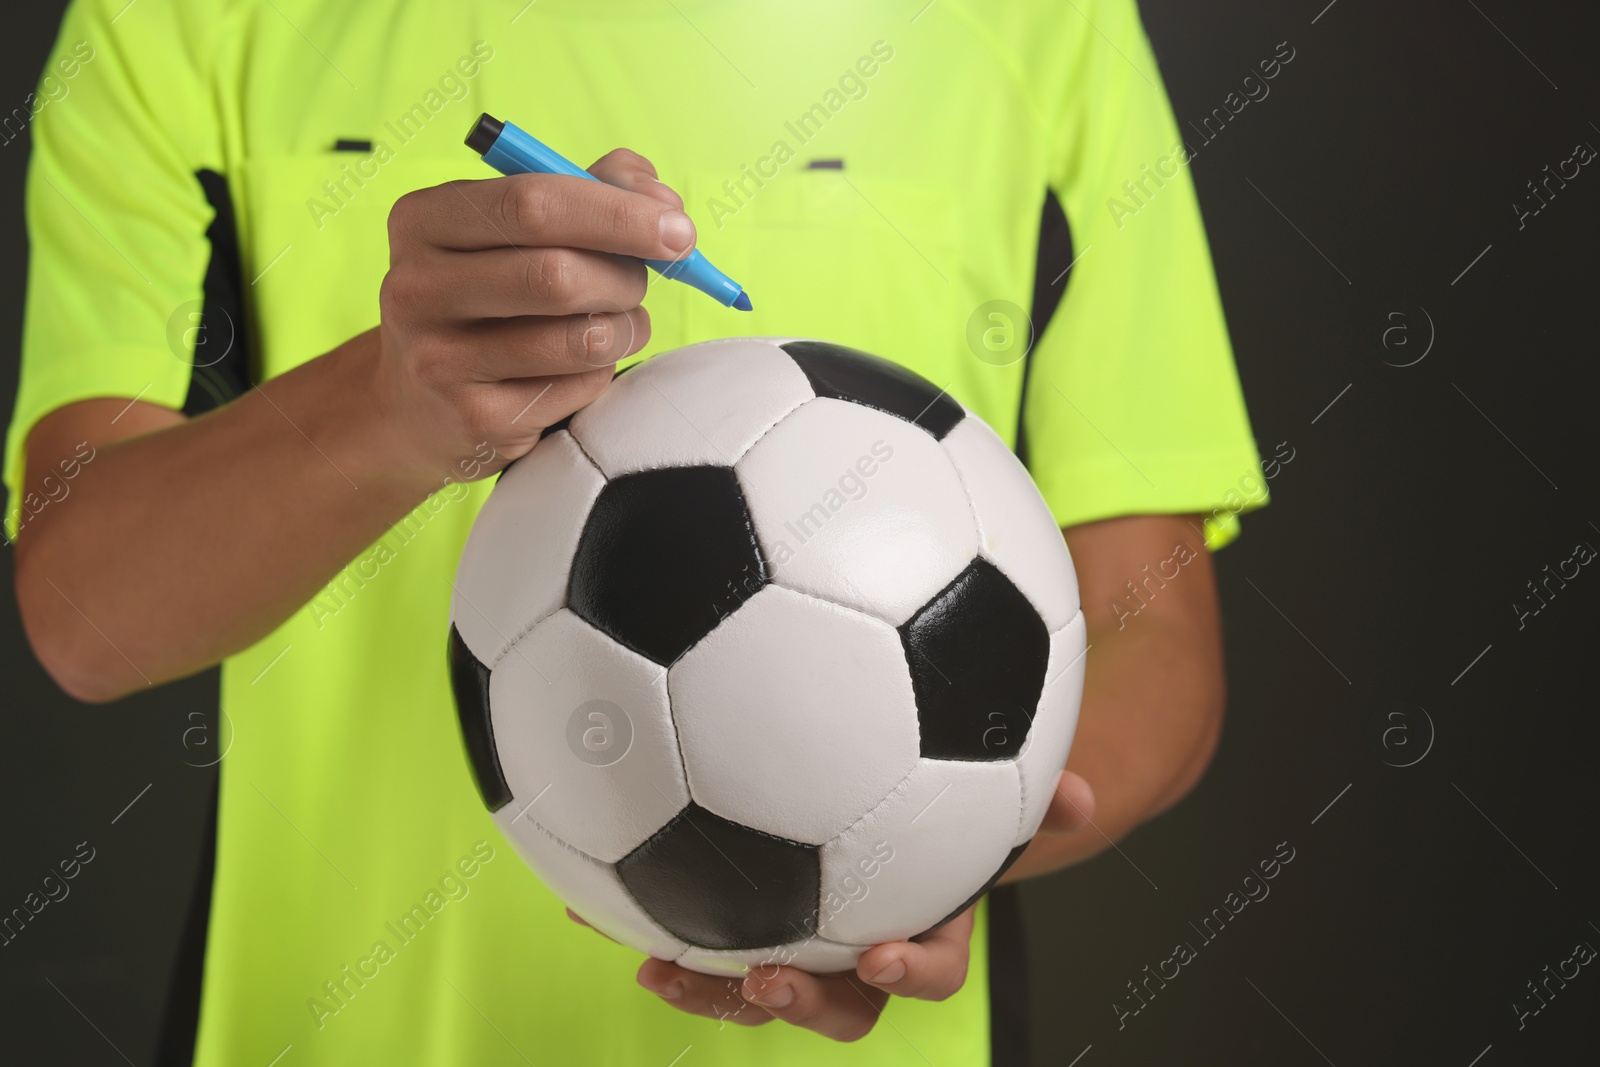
{"x": 780, "y": 997}
{"x": 677, "y": 232}
{"x": 890, "y": 974}
{"x": 670, "y": 991}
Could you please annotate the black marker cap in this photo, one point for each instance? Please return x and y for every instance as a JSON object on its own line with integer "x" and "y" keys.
{"x": 484, "y": 133}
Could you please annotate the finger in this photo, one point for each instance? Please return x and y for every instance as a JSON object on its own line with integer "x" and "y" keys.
{"x": 627, "y": 169}
{"x": 505, "y": 282}
{"x": 531, "y": 404}
{"x": 538, "y": 346}
{"x": 1071, "y": 808}
{"x": 581, "y": 921}
{"x": 539, "y": 210}
{"x": 931, "y": 969}
{"x": 700, "y": 994}
{"x": 837, "y": 1006}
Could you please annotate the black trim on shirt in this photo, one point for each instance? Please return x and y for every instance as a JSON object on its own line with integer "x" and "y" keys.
{"x": 220, "y": 358}
{"x": 180, "y": 1024}
{"x": 1050, "y": 279}
{"x": 216, "y": 377}
{"x": 1009, "y": 1037}
{"x": 1010, "y": 1040}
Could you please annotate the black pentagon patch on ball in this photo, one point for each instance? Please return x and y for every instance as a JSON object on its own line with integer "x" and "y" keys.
{"x": 1005, "y": 865}
{"x": 841, "y": 373}
{"x": 664, "y": 557}
{"x": 469, "y": 680}
{"x": 719, "y": 885}
{"x": 978, "y": 653}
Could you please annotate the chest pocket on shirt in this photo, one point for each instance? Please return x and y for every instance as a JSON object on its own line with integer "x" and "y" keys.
{"x": 855, "y": 258}
{"x": 317, "y": 242}
{"x": 860, "y": 259}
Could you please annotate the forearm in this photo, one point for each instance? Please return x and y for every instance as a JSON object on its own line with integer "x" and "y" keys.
{"x": 1151, "y": 715}
{"x": 183, "y": 544}
{"x": 1154, "y": 689}
{"x": 506, "y": 306}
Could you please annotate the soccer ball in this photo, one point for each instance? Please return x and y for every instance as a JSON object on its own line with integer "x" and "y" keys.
{"x": 770, "y": 654}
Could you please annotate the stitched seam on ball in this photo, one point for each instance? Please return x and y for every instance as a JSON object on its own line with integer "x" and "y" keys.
{"x": 768, "y": 568}
{"x": 966, "y": 490}
{"x": 546, "y": 831}
{"x": 756, "y": 546}
{"x": 524, "y": 632}
{"x": 977, "y": 520}
{"x": 768, "y": 428}
{"x": 592, "y": 462}
{"x": 588, "y": 509}
{"x": 1022, "y": 785}
{"x": 848, "y": 607}
{"x": 1048, "y": 682}
{"x": 890, "y": 795}
{"x": 1022, "y": 801}
{"x": 677, "y": 738}
{"x": 620, "y": 884}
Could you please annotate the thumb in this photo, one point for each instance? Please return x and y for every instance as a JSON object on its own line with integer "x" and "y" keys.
{"x": 1071, "y": 808}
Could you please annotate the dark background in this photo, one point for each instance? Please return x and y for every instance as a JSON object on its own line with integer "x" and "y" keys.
{"x": 1375, "y": 659}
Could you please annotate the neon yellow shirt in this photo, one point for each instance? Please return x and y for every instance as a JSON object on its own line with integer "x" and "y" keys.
{"x": 873, "y": 175}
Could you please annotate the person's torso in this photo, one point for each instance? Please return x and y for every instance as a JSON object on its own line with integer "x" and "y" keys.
{"x": 871, "y": 180}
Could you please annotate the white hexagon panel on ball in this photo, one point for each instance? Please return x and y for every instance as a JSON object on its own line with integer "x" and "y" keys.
{"x": 571, "y": 875}
{"x": 585, "y": 737}
{"x": 933, "y": 844}
{"x": 858, "y": 507}
{"x": 794, "y": 715}
{"x": 705, "y": 406}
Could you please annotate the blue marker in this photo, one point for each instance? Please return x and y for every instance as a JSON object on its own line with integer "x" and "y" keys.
{"x": 513, "y": 151}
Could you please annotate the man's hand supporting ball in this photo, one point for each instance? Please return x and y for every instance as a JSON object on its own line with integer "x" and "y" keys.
{"x": 846, "y": 1006}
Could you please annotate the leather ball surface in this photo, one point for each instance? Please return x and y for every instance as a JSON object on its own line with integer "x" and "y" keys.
{"x": 770, "y": 654}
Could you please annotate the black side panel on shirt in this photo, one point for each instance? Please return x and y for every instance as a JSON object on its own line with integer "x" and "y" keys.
{"x": 181, "y": 1021}
{"x": 220, "y": 372}
{"x": 1049, "y": 284}
{"x": 1009, "y": 1043}
{"x": 1009, "y": 1037}
{"x": 221, "y": 363}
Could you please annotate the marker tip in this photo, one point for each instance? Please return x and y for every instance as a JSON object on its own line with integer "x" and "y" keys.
{"x": 743, "y": 302}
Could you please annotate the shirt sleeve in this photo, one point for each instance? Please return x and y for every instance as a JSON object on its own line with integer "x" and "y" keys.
{"x": 116, "y": 215}
{"x": 1133, "y": 404}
